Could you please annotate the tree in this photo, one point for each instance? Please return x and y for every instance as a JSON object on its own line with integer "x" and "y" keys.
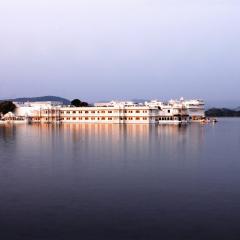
{"x": 78, "y": 103}
{"x": 7, "y": 106}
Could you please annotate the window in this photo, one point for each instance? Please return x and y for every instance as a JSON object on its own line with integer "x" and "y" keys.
{"x": 68, "y": 112}
{"x": 86, "y": 111}
{"x": 169, "y": 111}
{"x": 79, "y": 111}
{"x": 86, "y": 118}
{"x": 74, "y": 112}
{"x": 109, "y": 111}
{"x": 74, "y": 118}
{"x": 103, "y": 118}
{"x": 137, "y": 111}
{"x": 80, "y": 118}
{"x": 92, "y": 111}
{"x": 137, "y": 118}
{"x": 103, "y": 111}
{"x": 109, "y": 118}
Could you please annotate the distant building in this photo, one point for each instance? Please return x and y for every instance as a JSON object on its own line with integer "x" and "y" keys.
{"x": 195, "y": 108}
{"x": 31, "y": 109}
{"x": 153, "y": 112}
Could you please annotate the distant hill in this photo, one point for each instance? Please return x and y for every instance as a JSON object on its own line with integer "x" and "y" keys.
{"x": 222, "y": 112}
{"x": 41, "y": 99}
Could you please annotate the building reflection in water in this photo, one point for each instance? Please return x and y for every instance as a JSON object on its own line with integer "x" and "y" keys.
{"x": 132, "y": 178}
{"x": 94, "y": 142}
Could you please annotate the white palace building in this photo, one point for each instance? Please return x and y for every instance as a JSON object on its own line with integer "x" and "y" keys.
{"x": 153, "y": 112}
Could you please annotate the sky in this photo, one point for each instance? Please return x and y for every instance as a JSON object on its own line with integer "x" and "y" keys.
{"x": 121, "y": 49}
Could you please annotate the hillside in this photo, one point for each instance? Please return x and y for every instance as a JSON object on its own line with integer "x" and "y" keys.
{"x": 222, "y": 112}
{"x": 41, "y": 99}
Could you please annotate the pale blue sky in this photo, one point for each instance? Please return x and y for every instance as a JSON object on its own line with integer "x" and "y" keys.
{"x": 121, "y": 49}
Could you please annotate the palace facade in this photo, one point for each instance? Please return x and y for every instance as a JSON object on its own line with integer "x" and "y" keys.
{"x": 154, "y": 112}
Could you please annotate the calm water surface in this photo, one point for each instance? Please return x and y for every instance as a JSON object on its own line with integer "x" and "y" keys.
{"x": 120, "y": 182}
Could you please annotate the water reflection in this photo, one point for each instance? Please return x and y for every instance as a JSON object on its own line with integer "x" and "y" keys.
{"x": 90, "y": 142}
{"x": 119, "y": 181}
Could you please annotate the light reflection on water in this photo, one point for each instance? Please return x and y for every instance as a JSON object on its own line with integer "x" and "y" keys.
{"x": 92, "y": 181}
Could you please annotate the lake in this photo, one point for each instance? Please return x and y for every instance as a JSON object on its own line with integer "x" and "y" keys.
{"x": 120, "y": 182}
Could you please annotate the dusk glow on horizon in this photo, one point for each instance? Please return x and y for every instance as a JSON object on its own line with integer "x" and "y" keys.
{"x": 103, "y": 50}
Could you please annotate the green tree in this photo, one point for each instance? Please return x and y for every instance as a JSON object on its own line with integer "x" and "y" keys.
{"x": 78, "y": 103}
{"x": 7, "y": 106}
